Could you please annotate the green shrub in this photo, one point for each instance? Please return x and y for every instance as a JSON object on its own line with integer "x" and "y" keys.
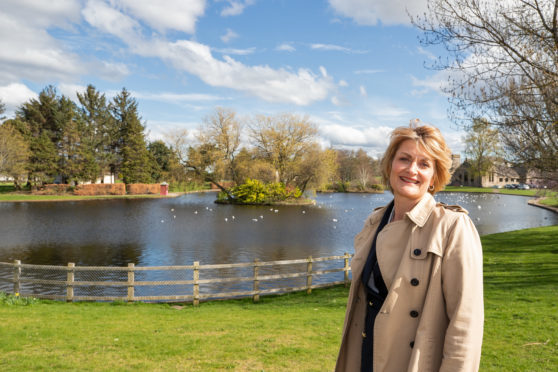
{"x": 257, "y": 192}
{"x": 377, "y": 187}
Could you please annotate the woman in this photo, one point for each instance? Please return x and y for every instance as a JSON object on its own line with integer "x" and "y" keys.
{"x": 416, "y": 298}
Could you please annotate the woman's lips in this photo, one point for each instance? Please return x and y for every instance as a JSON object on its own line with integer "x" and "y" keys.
{"x": 409, "y": 180}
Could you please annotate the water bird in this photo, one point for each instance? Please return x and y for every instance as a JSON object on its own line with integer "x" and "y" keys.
{"x": 172, "y": 209}
{"x": 478, "y": 206}
{"x": 255, "y": 219}
{"x": 276, "y": 211}
{"x": 195, "y": 212}
{"x": 303, "y": 212}
{"x": 226, "y": 219}
{"x": 334, "y": 220}
{"x": 162, "y": 221}
{"x": 261, "y": 217}
{"x": 233, "y": 217}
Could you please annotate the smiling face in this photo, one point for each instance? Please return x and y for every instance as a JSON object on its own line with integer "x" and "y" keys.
{"x": 412, "y": 172}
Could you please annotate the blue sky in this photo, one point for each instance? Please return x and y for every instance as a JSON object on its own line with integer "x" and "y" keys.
{"x": 355, "y": 67}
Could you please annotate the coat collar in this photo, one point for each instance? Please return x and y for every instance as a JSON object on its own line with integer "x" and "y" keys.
{"x": 420, "y": 212}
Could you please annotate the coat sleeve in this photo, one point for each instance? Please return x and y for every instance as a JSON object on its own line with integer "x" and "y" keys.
{"x": 462, "y": 284}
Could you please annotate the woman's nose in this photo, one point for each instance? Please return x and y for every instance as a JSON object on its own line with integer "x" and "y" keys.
{"x": 413, "y": 167}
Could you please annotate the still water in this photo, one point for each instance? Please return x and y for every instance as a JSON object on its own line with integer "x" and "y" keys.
{"x": 178, "y": 231}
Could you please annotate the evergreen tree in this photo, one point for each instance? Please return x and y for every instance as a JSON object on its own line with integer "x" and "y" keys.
{"x": 37, "y": 120}
{"x": 99, "y": 133}
{"x": 136, "y": 164}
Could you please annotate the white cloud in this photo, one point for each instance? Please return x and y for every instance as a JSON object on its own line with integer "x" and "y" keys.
{"x": 362, "y": 90}
{"x": 176, "y": 15}
{"x": 388, "y": 12}
{"x": 71, "y": 90}
{"x": 335, "y": 101}
{"x": 323, "y": 71}
{"x": 29, "y": 52}
{"x": 334, "y": 48}
{"x": 112, "y": 21}
{"x": 235, "y": 7}
{"x": 229, "y": 36}
{"x": 234, "y": 51}
{"x": 349, "y": 136}
{"x": 15, "y": 94}
{"x": 273, "y": 85}
{"x": 343, "y": 83}
{"x": 177, "y": 97}
{"x": 285, "y": 47}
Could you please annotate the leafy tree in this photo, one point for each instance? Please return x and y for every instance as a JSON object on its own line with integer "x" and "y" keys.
{"x": 502, "y": 66}
{"x": 14, "y": 153}
{"x": 136, "y": 162}
{"x": 283, "y": 140}
{"x": 222, "y": 130}
{"x": 482, "y": 146}
{"x": 165, "y": 160}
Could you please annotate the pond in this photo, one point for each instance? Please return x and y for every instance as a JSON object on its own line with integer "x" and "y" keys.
{"x": 178, "y": 231}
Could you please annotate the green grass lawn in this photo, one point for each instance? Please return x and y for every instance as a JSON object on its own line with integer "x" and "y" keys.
{"x": 294, "y": 332}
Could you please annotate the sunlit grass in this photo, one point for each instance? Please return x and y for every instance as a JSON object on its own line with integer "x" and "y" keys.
{"x": 295, "y": 332}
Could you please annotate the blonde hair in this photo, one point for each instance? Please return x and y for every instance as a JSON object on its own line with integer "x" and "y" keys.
{"x": 430, "y": 140}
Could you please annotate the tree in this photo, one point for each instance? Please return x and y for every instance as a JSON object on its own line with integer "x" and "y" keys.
{"x": 2, "y": 109}
{"x": 222, "y": 130}
{"x": 99, "y": 133}
{"x": 282, "y": 140}
{"x": 503, "y": 66}
{"x": 39, "y": 122}
{"x": 316, "y": 168}
{"x": 482, "y": 147}
{"x": 165, "y": 161}
{"x": 14, "y": 153}
{"x": 136, "y": 162}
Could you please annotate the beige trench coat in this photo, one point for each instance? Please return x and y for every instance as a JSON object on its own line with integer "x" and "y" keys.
{"x": 443, "y": 253}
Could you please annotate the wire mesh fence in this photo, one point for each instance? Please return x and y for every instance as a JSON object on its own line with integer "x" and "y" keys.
{"x": 193, "y": 283}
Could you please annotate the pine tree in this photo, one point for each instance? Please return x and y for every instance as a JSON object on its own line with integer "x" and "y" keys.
{"x": 99, "y": 132}
{"x": 136, "y": 163}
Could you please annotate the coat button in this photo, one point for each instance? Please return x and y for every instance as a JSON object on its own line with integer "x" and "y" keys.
{"x": 414, "y": 314}
{"x": 412, "y": 344}
{"x": 417, "y": 252}
{"x": 363, "y": 334}
{"x": 414, "y": 282}
{"x": 370, "y": 303}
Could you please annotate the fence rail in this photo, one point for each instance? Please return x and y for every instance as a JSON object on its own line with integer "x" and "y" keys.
{"x": 40, "y": 287}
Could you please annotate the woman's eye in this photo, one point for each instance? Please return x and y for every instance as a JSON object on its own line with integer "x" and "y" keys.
{"x": 425, "y": 165}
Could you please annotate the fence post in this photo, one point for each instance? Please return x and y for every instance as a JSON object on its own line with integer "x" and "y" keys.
{"x": 70, "y": 282}
{"x": 17, "y": 274}
{"x": 256, "y": 296}
{"x": 196, "y": 284}
{"x": 346, "y": 269}
{"x": 309, "y": 275}
{"x": 131, "y": 279}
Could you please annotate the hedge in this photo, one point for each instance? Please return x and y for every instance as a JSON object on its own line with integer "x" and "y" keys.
{"x": 100, "y": 189}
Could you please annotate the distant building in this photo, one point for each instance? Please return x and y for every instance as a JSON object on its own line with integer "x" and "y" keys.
{"x": 498, "y": 175}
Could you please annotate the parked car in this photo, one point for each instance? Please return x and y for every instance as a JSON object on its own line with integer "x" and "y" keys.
{"x": 496, "y": 186}
{"x": 523, "y": 186}
{"x": 509, "y": 186}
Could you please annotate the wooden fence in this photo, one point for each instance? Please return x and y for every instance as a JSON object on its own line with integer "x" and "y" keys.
{"x": 195, "y": 296}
